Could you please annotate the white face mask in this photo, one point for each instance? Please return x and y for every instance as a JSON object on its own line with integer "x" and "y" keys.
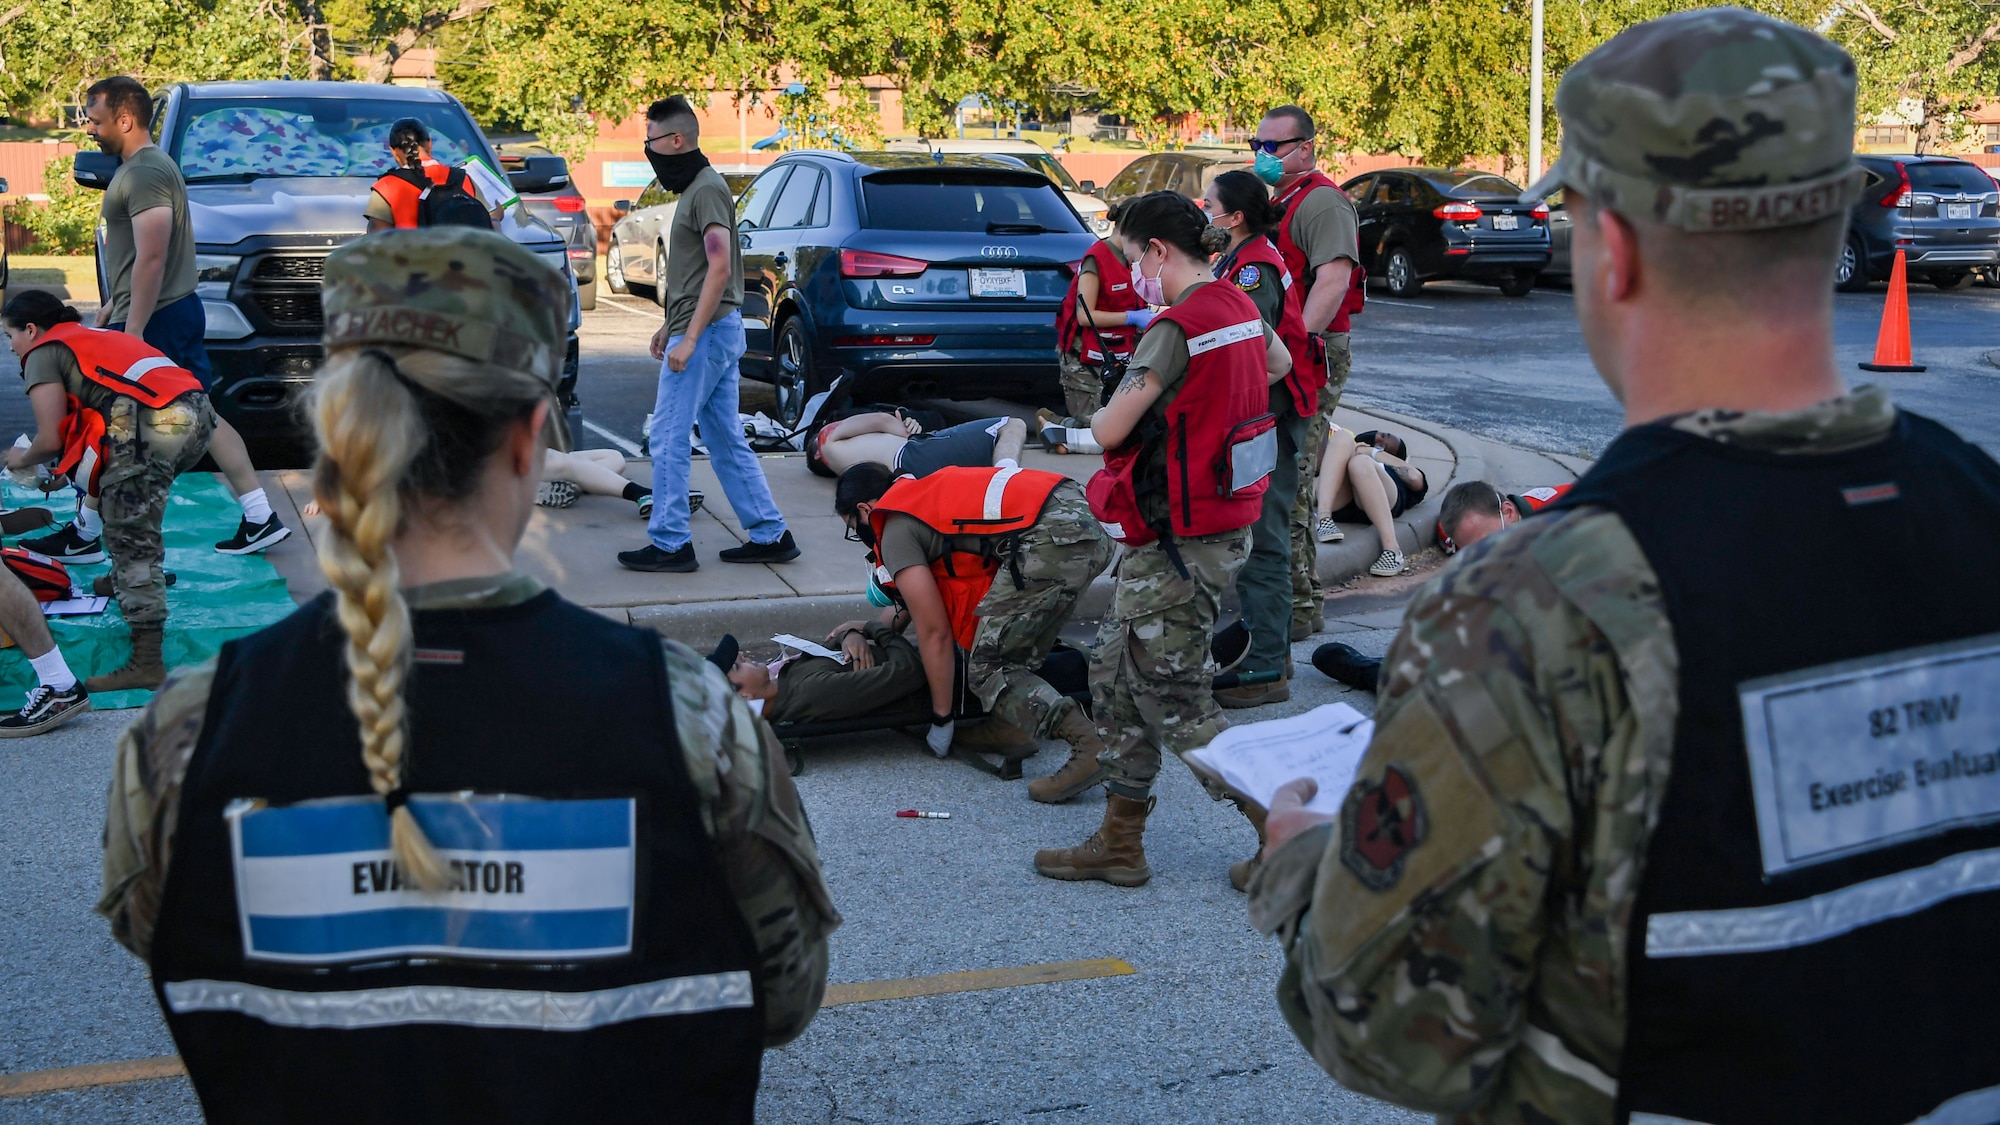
{"x": 1221, "y": 222}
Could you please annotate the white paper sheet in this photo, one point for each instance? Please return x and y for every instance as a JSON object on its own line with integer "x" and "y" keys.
{"x": 498, "y": 190}
{"x": 800, "y": 644}
{"x": 74, "y": 607}
{"x": 1325, "y": 744}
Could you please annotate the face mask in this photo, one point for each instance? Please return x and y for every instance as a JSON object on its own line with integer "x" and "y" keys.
{"x": 877, "y": 596}
{"x": 1216, "y": 222}
{"x": 1269, "y": 168}
{"x": 1149, "y": 289}
{"x": 676, "y": 172}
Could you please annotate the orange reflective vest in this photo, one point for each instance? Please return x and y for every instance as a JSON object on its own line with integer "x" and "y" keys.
{"x": 123, "y": 364}
{"x": 989, "y": 503}
{"x": 1536, "y": 499}
{"x": 403, "y": 193}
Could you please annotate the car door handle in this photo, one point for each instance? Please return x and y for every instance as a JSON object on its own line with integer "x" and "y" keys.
{"x": 780, "y": 260}
{"x": 743, "y": 240}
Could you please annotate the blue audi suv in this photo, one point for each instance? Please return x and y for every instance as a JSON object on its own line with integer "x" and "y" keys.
{"x": 918, "y": 275}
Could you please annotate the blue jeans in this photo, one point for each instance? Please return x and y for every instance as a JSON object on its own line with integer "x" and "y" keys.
{"x": 706, "y": 392}
{"x": 177, "y": 329}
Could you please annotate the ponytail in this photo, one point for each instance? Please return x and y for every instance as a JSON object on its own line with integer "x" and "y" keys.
{"x": 386, "y": 444}
{"x": 407, "y": 137}
{"x": 1174, "y": 219}
{"x": 1243, "y": 192}
{"x": 38, "y": 307}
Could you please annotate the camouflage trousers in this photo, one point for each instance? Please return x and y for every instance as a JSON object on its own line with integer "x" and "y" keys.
{"x": 1082, "y": 388}
{"x": 1150, "y": 670}
{"x": 1308, "y": 599}
{"x": 1054, "y": 561}
{"x": 144, "y": 451}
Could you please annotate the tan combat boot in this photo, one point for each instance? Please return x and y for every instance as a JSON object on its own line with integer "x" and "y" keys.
{"x": 1241, "y": 871}
{"x": 995, "y": 736}
{"x": 144, "y": 670}
{"x": 1115, "y": 853}
{"x": 1081, "y": 771}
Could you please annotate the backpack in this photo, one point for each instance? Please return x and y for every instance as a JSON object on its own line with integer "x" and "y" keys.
{"x": 45, "y": 578}
{"x": 449, "y": 204}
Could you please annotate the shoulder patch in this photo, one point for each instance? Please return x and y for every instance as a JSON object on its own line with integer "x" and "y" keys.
{"x": 1382, "y": 823}
{"x": 1248, "y": 277}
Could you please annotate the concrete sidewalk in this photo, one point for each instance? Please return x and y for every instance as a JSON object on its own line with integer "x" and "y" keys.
{"x": 574, "y": 549}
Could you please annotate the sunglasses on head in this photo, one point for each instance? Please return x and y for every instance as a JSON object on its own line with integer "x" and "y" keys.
{"x": 1272, "y": 147}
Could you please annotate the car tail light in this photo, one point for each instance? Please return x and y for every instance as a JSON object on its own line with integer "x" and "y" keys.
{"x": 581, "y": 253}
{"x": 1458, "y": 212}
{"x": 884, "y": 340}
{"x": 1540, "y": 214}
{"x": 867, "y": 263}
{"x": 569, "y": 203}
{"x": 1899, "y": 196}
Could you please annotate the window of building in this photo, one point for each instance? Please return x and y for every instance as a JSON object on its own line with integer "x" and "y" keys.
{"x": 1885, "y": 135}
{"x": 1992, "y": 133}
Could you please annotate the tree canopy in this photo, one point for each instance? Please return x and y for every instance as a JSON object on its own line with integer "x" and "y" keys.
{"x": 1420, "y": 77}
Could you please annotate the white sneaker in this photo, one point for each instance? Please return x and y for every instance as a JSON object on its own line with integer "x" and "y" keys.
{"x": 1388, "y": 564}
{"x": 1329, "y": 532}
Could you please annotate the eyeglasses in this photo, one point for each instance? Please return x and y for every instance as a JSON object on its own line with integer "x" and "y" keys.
{"x": 853, "y": 534}
{"x": 651, "y": 137}
{"x": 1272, "y": 147}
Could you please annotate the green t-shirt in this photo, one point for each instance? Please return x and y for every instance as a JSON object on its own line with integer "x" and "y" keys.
{"x": 1327, "y": 229}
{"x": 145, "y": 180}
{"x": 706, "y": 203}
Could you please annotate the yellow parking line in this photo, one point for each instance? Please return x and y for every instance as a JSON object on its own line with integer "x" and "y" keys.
{"x": 32, "y": 1082}
{"x": 908, "y": 988}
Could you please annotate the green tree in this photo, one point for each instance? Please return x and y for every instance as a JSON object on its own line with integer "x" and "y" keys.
{"x": 67, "y": 223}
{"x": 1943, "y": 57}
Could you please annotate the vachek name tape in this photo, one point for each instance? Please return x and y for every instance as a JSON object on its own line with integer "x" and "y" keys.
{"x": 526, "y": 880}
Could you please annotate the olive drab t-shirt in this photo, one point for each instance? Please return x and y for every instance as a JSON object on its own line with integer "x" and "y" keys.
{"x": 55, "y": 363}
{"x": 1327, "y": 228}
{"x": 907, "y": 543}
{"x": 706, "y": 203}
{"x": 145, "y": 180}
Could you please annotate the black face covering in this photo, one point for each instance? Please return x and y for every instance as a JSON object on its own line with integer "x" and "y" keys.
{"x": 675, "y": 173}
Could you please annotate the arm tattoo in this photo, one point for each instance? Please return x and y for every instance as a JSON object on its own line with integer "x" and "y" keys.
{"x": 1135, "y": 379}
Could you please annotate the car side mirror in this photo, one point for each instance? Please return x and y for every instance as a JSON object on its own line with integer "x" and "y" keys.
{"x": 1088, "y": 187}
{"x": 622, "y": 206}
{"x": 94, "y": 170}
{"x": 540, "y": 173}
{"x": 3, "y": 185}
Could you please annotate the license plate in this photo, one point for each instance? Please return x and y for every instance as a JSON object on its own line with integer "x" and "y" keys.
{"x": 1506, "y": 222}
{"x": 1958, "y": 210}
{"x": 999, "y": 283}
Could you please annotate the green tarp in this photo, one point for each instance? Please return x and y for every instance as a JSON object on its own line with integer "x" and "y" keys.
{"x": 219, "y": 597}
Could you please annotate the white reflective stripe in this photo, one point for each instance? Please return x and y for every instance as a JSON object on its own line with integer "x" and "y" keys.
{"x": 1662, "y": 1119}
{"x": 1551, "y": 1051}
{"x": 1980, "y": 1107}
{"x": 470, "y": 1007}
{"x": 1698, "y": 933}
{"x": 139, "y": 369}
{"x": 995, "y": 488}
{"x": 1287, "y": 275}
{"x": 1223, "y": 337}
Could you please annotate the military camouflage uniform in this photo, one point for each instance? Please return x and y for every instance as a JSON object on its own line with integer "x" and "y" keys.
{"x": 1308, "y": 598}
{"x": 144, "y": 451}
{"x": 1057, "y": 559}
{"x": 1082, "y": 387}
{"x": 1457, "y": 940}
{"x": 1150, "y": 668}
{"x": 748, "y": 807}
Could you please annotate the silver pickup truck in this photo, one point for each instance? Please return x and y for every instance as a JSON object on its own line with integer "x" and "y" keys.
{"x": 277, "y": 175}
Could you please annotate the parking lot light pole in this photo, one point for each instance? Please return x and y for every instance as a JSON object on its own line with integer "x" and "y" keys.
{"x": 1535, "y": 97}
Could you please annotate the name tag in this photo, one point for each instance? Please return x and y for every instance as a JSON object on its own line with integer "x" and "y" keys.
{"x": 526, "y": 880}
{"x": 1853, "y": 757}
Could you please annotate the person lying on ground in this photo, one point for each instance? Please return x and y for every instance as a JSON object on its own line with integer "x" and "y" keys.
{"x": 595, "y": 472}
{"x": 884, "y": 674}
{"x": 1368, "y": 481}
{"x": 901, "y": 445}
{"x": 1471, "y": 511}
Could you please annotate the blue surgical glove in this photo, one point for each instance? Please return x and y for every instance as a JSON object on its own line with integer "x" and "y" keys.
{"x": 1140, "y": 318}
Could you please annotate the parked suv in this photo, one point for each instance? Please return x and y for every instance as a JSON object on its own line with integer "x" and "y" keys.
{"x": 562, "y": 208}
{"x": 1943, "y": 212}
{"x": 1422, "y": 224}
{"x": 1189, "y": 172}
{"x": 921, "y": 275}
{"x": 277, "y": 175}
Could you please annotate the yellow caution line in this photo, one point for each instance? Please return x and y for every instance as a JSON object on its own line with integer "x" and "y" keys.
{"x": 32, "y": 1082}
{"x": 983, "y": 980}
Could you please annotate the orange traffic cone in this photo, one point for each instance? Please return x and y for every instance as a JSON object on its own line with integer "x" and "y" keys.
{"x": 1892, "y": 341}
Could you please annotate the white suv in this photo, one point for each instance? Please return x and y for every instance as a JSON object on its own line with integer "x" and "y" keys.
{"x": 1034, "y": 156}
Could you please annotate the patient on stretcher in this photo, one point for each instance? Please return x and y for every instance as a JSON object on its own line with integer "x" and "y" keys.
{"x": 884, "y": 675}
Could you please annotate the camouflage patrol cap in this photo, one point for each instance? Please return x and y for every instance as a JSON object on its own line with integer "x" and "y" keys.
{"x": 1713, "y": 120}
{"x": 461, "y": 291}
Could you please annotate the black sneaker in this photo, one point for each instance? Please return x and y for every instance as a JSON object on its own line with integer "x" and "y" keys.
{"x": 67, "y": 544}
{"x": 556, "y": 494}
{"x": 251, "y": 538}
{"x": 45, "y": 710}
{"x": 784, "y": 550}
{"x": 20, "y": 521}
{"x": 695, "y": 500}
{"x": 1346, "y": 664}
{"x": 651, "y": 558}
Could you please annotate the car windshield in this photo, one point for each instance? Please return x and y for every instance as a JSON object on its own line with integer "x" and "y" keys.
{"x": 1048, "y": 166}
{"x": 1948, "y": 178}
{"x": 230, "y": 138}
{"x": 1483, "y": 187}
{"x": 989, "y": 203}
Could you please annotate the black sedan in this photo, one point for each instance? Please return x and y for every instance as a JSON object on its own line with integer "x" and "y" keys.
{"x": 1426, "y": 224}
